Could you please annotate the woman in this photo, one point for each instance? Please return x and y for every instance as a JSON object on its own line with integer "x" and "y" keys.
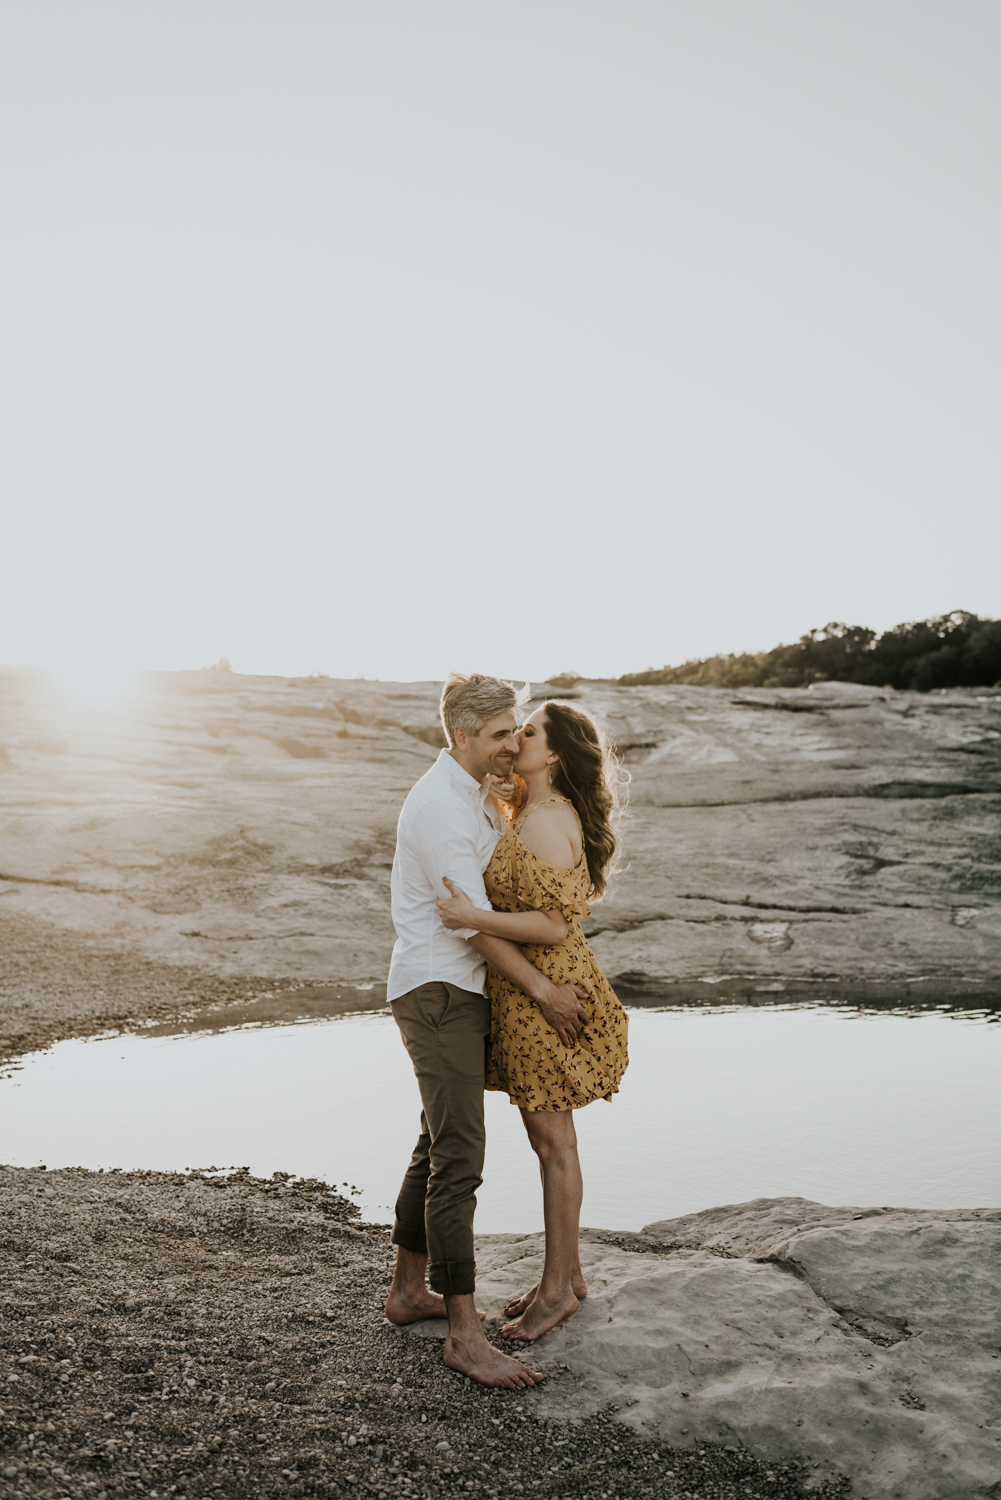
{"x": 555, "y": 854}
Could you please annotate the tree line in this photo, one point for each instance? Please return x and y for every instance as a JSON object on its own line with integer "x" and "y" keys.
{"x": 954, "y": 650}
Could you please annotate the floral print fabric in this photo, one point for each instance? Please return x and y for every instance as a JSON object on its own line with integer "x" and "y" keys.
{"x": 527, "y": 1059}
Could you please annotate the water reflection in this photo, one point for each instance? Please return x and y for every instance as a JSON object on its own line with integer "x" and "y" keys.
{"x": 720, "y": 1104}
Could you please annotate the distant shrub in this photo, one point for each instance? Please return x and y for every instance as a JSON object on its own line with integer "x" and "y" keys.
{"x": 954, "y": 650}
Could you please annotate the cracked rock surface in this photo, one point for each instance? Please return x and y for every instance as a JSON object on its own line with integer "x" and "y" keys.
{"x": 860, "y": 1341}
{"x": 197, "y": 1334}
{"x": 238, "y": 831}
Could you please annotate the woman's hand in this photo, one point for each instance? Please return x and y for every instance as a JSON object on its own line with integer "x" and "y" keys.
{"x": 457, "y": 911}
{"x": 510, "y": 795}
{"x": 503, "y": 790}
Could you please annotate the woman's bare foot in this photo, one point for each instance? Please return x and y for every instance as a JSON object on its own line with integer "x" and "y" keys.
{"x": 413, "y": 1307}
{"x": 520, "y": 1305}
{"x": 487, "y": 1365}
{"x": 541, "y": 1315}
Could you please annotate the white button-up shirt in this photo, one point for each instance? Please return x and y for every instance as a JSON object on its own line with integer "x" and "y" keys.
{"x": 449, "y": 826}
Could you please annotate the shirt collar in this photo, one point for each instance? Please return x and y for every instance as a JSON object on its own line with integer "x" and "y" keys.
{"x": 469, "y": 786}
{"x": 461, "y": 779}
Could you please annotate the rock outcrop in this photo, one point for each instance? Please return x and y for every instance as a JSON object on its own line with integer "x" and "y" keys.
{"x": 865, "y": 1341}
{"x": 777, "y": 841}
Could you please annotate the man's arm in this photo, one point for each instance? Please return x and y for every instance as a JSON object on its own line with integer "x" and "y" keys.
{"x": 559, "y": 1003}
{"x": 441, "y": 842}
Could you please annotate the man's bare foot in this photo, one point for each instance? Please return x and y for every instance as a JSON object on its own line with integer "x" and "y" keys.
{"x": 540, "y": 1316}
{"x": 413, "y": 1307}
{"x": 488, "y": 1366}
{"x": 402, "y": 1307}
{"x": 520, "y": 1305}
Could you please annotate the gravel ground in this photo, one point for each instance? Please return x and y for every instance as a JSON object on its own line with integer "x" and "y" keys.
{"x": 199, "y": 1334}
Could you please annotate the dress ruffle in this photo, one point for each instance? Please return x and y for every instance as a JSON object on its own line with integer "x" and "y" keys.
{"x": 538, "y": 886}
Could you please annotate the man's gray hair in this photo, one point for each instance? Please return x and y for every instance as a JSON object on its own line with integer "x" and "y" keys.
{"x": 469, "y": 700}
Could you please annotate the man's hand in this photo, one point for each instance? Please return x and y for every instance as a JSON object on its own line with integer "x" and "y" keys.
{"x": 560, "y": 1004}
{"x": 562, "y": 1008}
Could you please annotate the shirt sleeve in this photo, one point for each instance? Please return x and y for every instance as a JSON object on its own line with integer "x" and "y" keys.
{"x": 443, "y": 846}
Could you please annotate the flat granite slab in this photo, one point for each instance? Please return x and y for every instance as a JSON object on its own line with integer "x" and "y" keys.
{"x": 867, "y": 1341}
{"x": 778, "y": 841}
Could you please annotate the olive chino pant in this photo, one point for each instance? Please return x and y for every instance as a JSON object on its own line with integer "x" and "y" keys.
{"x": 445, "y": 1031}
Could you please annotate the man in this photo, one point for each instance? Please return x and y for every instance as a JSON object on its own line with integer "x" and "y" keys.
{"x": 449, "y": 828}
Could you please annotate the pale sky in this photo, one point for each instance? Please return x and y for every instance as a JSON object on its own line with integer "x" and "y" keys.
{"x": 394, "y": 336}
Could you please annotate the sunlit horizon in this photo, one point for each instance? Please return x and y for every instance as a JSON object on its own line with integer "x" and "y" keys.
{"x": 108, "y": 679}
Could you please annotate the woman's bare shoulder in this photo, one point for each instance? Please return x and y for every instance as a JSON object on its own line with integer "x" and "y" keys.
{"x": 552, "y": 832}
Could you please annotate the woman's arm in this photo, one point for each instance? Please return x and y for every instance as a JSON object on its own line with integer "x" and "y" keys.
{"x": 546, "y": 927}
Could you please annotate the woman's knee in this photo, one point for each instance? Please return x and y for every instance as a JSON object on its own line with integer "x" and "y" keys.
{"x": 552, "y": 1145}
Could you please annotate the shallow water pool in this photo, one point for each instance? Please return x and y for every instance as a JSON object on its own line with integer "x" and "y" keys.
{"x": 718, "y": 1106}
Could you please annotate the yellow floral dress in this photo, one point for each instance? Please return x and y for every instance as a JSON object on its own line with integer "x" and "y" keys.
{"x": 527, "y": 1059}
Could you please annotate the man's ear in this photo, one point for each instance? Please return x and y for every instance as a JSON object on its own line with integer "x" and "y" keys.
{"x": 460, "y": 739}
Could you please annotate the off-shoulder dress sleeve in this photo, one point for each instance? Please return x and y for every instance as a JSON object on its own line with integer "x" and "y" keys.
{"x": 542, "y": 887}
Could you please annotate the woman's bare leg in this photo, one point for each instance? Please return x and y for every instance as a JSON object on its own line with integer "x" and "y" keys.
{"x": 554, "y": 1140}
{"x": 518, "y": 1305}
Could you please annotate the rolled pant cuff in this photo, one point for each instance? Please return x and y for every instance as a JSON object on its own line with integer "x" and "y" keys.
{"x": 453, "y": 1278}
{"x": 410, "y": 1237}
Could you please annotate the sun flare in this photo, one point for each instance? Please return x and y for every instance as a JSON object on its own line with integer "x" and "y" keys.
{"x": 96, "y": 683}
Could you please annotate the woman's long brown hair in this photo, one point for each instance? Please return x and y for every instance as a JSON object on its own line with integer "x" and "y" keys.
{"x": 589, "y": 775}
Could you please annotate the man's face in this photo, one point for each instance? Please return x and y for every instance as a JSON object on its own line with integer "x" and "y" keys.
{"x": 492, "y": 751}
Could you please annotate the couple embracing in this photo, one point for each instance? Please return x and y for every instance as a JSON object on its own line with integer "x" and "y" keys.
{"x": 493, "y": 985}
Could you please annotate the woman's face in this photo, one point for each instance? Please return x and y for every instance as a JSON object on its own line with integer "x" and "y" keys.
{"x": 534, "y": 753}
